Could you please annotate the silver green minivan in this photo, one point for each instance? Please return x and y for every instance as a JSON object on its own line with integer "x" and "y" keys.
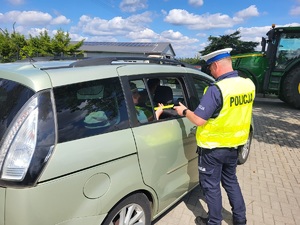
{"x": 81, "y": 143}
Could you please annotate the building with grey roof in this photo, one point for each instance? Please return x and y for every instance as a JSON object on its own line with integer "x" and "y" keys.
{"x": 131, "y": 49}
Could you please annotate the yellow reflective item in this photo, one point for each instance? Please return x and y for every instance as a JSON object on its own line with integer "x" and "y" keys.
{"x": 165, "y": 107}
{"x": 231, "y": 127}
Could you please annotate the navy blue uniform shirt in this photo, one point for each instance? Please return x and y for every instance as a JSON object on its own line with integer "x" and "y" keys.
{"x": 211, "y": 103}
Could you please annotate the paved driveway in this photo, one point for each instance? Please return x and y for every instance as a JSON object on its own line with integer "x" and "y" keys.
{"x": 270, "y": 179}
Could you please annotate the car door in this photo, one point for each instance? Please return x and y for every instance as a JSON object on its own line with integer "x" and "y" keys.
{"x": 166, "y": 147}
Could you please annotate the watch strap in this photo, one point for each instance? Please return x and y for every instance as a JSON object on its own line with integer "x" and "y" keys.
{"x": 184, "y": 112}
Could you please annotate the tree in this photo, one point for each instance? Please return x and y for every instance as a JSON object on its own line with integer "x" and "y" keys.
{"x": 229, "y": 41}
{"x": 14, "y": 46}
{"x": 5, "y": 53}
{"x": 192, "y": 61}
{"x": 39, "y": 46}
{"x": 60, "y": 45}
{"x": 11, "y": 46}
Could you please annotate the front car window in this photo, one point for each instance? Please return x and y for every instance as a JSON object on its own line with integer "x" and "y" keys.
{"x": 147, "y": 93}
{"x": 90, "y": 108}
{"x": 200, "y": 86}
{"x": 288, "y": 49}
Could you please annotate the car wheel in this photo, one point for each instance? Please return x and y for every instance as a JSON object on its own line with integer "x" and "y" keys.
{"x": 134, "y": 209}
{"x": 244, "y": 150}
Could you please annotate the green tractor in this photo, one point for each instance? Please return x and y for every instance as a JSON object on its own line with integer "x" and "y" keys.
{"x": 276, "y": 69}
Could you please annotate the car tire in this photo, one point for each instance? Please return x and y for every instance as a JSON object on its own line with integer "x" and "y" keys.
{"x": 244, "y": 150}
{"x": 134, "y": 209}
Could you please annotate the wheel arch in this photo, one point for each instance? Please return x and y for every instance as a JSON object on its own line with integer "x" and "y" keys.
{"x": 150, "y": 196}
{"x": 243, "y": 153}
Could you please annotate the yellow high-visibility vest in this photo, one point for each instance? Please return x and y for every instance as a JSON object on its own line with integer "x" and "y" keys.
{"x": 231, "y": 127}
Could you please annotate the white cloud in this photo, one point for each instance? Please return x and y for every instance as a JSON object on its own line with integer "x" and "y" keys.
{"x": 176, "y": 37}
{"x": 142, "y": 18}
{"x": 173, "y": 35}
{"x": 77, "y": 37}
{"x": 248, "y": 12}
{"x": 102, "y": 39}
{"x": 251, "y": 33}
{"x": 184, "y": 46}
{"x": 97, "y": 26}
{"x": 16, "y": 2}
{"x": 117, "y": 26}
{"x": 164, "y": 12}
{"x": 199, "y": 22}
{"x": 201, "y": 35}
{"x": 256, "y": 33}
{"x": 133, "y": 5}
{"x": 295, "y": 11}
{"x": 31, "y": 18}
{"x": 181, "y": 17}
{"x": 208, "y": 21}
{"x": 60, "y": 20}
{"x": 291, "y": 25}
{"x": 32, "y": 31}
{"x": 196, "y": 3}
{"x": 146, "y": 34}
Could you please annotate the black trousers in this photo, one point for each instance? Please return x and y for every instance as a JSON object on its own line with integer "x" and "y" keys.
{"x": 219, "y": 166}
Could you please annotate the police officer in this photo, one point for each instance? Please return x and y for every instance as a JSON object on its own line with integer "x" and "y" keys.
{"x": 223, "y": 118}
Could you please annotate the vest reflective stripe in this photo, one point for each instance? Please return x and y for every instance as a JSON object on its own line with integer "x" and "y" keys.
{"x": 231, "y": 127}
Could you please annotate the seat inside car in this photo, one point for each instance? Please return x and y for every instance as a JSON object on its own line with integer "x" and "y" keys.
{"x": 164, "y": 95}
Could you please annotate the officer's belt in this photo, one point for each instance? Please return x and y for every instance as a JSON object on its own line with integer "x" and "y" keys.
{"x": 220, "y": 148}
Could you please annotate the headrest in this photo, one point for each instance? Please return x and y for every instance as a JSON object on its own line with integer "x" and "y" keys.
{"x": 164, "y": 95}
{"x": 133, "y": 87}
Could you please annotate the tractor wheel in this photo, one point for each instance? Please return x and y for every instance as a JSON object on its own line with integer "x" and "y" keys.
{"x": 291, "y": 88}
{"x": 281, "y": 97}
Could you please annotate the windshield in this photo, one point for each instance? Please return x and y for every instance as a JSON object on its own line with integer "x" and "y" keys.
{"x": 12, "y": 97}
{"x": 288, "y": 49}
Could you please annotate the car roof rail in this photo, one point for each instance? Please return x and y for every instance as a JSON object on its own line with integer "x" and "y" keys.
{"x": 126, "y": 60}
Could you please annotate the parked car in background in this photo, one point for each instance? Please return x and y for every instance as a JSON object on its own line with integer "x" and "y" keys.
{"x": 73, "y": 150}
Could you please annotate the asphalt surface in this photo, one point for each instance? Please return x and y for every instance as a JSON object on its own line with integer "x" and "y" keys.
{"x": 270, "y": 179}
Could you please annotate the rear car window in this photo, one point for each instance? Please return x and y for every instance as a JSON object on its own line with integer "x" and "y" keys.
{"x": 90, "y": 108}
{"x": 13, "y": 96}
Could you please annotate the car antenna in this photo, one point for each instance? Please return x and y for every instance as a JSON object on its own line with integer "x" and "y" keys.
{"x": 18, "y": 47}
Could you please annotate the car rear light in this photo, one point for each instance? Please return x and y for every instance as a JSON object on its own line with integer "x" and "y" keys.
{"x": 29, "y": 141}
{"x": 22, "y": 141}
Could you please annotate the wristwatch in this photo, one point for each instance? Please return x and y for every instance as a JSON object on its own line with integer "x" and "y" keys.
{"x": 184, "y": 112}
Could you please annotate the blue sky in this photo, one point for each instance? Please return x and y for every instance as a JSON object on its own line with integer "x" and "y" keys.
{"x": 186, "y": 24}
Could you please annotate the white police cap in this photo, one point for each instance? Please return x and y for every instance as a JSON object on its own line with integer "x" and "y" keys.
{"x": 217, "y": 55}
